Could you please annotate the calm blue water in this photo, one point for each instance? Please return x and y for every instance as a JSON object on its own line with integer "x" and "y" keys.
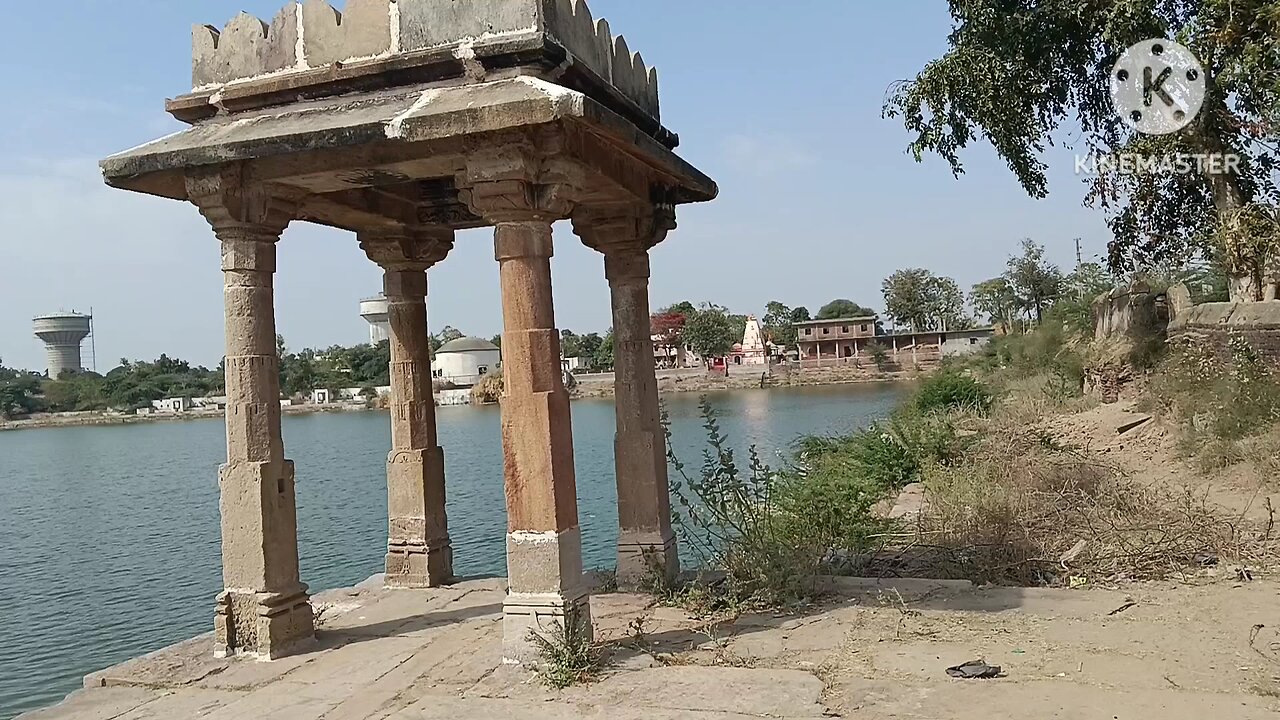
{"x": 109, "y": 535}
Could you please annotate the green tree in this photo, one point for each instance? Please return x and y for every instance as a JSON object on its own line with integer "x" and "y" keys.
{"x": 497, "y": 341}
{"x": 137, "y": 384}
{"x": 922, "y": 301}
{"x": 879, "y": 354}
{"x": 995, "y": 299}
{"x": 1078, "y": 291}
{"x": 711, "y": 331}
{"x": 302, "y": 375}
{"x": 1016, "y": 72}
{"x": 602, "y": 357}
{"x": 1087, "y": 281}
{"x": 587, "y": 346}
{"x": 1036, "y": 282}
{"x": 75, "y": 392}
{"x": 946, "y": 306}
{"x": 842, "y": 308}
{"x": 371, "y": 364}
{"x": 570, "y": 344}
{"x": 449, "y": 334}
{"x": 19, "y": 392}
{"x": 800, "y": 314}
{"x": 684, "y": 307}
{"x": 779, "y": 323}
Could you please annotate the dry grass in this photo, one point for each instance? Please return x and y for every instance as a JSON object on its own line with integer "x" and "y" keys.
{"x": 1021, "y": 510}
{"x": 1024, "y": 400}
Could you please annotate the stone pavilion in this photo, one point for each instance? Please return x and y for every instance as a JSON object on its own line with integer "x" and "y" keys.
{"x": 402, "y": 122}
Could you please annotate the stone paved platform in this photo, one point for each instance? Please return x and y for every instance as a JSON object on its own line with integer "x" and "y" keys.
{"x": 875, "y": 650}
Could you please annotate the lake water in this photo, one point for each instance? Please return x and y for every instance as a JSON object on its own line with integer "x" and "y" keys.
{"x": 109, "y": 535}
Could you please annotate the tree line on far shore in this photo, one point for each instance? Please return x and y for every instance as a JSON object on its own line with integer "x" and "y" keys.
{"x": 915, "y": 299}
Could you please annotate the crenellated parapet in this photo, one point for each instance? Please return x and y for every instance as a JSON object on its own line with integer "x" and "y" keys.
{"x": 246, "y": 47}
{"x": 592, "y": 42}
{"x": 313, "y": 35}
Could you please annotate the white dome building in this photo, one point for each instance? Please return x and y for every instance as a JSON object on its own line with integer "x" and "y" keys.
{"x": 465, "y": 361}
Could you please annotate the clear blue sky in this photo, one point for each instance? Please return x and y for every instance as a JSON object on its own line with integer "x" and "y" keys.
{"x": 779, "y": 102}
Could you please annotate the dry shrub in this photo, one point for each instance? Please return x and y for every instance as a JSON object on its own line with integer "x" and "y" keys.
{"x": 1227, "y": 409}
{"x": 488, "y": 390}
{"x": 1022, "y": 510}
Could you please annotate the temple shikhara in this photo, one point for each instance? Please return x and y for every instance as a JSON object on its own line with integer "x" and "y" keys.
{"x": 401, "y": 122}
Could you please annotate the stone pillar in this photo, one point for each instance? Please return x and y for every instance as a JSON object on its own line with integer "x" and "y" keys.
{"x": 419, "y": 552}
{"x": 647, "y": 553}
{"x": 264, "y": 609}
{"x": 544, "y": 545}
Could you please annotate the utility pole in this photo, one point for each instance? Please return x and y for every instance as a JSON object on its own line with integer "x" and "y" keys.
{"x": 1079, "y": 255}
{"x": 93, "y": 342}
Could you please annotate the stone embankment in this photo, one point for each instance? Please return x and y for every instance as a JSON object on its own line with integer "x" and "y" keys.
{"x": 742, "y": 378}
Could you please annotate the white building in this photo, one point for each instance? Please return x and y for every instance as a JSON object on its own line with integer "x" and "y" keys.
{"x": 172, "y": 405}
{"x": 966, "y": 342}
{"x": 465, "y": 361}
{"x": 673, "y": 356}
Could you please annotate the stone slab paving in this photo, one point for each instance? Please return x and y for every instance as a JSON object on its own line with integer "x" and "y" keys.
{"x": 873, "y": 649}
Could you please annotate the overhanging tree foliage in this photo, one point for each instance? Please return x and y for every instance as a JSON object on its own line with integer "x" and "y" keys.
{"x": 1018, "y": 71}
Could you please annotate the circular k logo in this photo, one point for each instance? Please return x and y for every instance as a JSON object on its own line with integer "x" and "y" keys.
{"x": 1157, "y": 86}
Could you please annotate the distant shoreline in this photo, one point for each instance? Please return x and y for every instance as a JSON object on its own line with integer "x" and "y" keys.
{"x": 94, "y": 419}
{"x": 739, "y": 379}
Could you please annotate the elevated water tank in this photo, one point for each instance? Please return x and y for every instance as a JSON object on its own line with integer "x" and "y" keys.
{"x": 374, "y": 311}
{"x": 62, "y": 334}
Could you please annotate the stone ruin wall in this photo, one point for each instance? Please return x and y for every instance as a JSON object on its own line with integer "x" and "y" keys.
{"x": 1129, "y": 314}
{"x": 1214, "y": 324}
{"x": 313, "y": 34}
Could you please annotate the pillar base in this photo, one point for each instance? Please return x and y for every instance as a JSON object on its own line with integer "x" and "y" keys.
{"x": 547, "y": 615}
{"x": 418, "y": 566}
{"x": 264, "y": 625}
{"x": 647, "y": 561}
{"x": 547, "y": 591}
{"x": 419, "y": 552}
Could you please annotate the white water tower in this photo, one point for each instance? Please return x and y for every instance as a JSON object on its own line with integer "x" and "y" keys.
{"x": 374, "y": 311}
{"x": 63, "y": 334}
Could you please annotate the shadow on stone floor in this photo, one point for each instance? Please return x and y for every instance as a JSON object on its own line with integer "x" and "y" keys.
{"x": 407, "y": 626}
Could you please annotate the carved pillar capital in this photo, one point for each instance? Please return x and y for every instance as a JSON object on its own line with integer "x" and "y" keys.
{"x": 238, "y": 209}
{"x": 411, "y": 249}
{"x": 516, "y": 183}
{"x": 625, "y": 235}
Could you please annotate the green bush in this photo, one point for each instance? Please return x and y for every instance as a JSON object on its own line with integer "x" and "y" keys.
{"x": 772, "y": 532}
{"x": 951, "y": 390}
{"x": 872, "y": 455}
{"x": 888, "y": 455}
{"x": 828, "y": 511}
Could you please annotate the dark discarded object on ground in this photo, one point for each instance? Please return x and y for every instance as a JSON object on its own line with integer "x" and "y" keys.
{"x": 1127, "y": 604}
{"x": 974, "y": 669}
